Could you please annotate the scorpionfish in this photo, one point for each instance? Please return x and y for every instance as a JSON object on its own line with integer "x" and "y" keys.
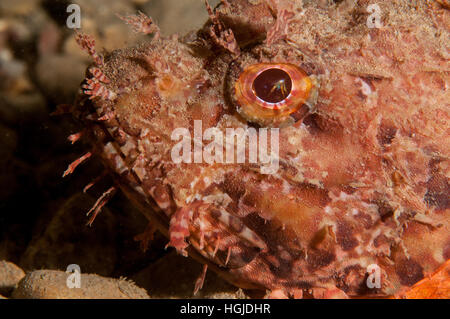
{"x": 349, "y": 195}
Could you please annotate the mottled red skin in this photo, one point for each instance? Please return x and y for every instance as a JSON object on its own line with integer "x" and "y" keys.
{"x": 363, "y": 179}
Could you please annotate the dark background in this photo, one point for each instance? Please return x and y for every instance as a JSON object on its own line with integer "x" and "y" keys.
{"x": 42, "y": 215}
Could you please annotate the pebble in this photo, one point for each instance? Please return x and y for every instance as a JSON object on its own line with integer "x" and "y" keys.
{"x": 10, "y": 275}
{"x": 53, "y": 284}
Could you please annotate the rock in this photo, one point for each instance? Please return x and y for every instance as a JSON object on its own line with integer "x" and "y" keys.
{"x": 108, "y": 12}
{"x": 139, "y": 2}
{"x": 16, "y": 109}
{"x": 10, "y": 275}
{"x": 109, "y": 31}
{"x": 52, "y": 284}
{"x": 175, "y": 16}
{"x": 65, "y": 239}
{"x": 15, "y": 29}
{"x": 119, "y": 35}
{"x": 59, "y": 76}
{"x": 18, "y": 7}
{"x": 49, "y": 39}
{"x": 22, "y": 20}
{"x": 12, "y": 71}
{"x": 174, "y": 276}
{"x": 71, "y": 47}
{"x": 108, "y": 37}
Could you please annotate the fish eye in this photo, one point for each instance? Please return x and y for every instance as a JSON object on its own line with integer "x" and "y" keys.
{"x": 269, "y": 94}
{"x": 272, "y": 85}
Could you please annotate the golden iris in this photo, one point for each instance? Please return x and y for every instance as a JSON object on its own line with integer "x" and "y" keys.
{"x": 267, "y": 93}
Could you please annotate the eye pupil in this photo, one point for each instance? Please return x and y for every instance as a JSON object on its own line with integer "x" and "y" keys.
{"x": 273, "y": 85}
